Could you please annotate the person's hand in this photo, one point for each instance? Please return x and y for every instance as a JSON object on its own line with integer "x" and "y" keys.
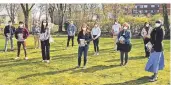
{"x": 121, "y": 41}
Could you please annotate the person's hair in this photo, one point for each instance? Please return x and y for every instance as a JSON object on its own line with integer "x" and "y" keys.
{"x": 84, "y": 24}
{"x": 146, "y": 23}
{"x": 127, "y": 25}
{"x": 96, "y": 23}
{"x": 10, "y": 21}
{"x": 21, "y": 22}
{"x": 43, "y": 28}
{"x": 116, "y": 20}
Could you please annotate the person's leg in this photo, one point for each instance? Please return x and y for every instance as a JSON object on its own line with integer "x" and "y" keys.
{"x": 6, "y": 43}
{"x": 115, "y": 40}
{"x": 12, "y": 44}
{"x": 97, "y": 45}
{"x": 121, "y": 57}
{"x": 80, "y": 50}
{"x": 72, "y": 41}
{"x": 34, "y": 41}
{"x": 94, "y": 43}
{"x": 43, "y": 50}
{"x": 68, "y": 41}
{"x": 38, "y": 41}
{"x": 154, "y": 77}
{"x": 18, "y": 48}
{"x": 126, "y": 57}
{"x": 146, "y": 50}
{"x": 85, "y": 55}
{"x": 25, "y": 49}
{"x": 47, "y": 50}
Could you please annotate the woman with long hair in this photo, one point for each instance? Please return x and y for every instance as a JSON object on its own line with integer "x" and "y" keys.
{"x": 84, "y": 38}
{"x": 44, "y": 38}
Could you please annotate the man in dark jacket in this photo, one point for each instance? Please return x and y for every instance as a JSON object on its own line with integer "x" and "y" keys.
{"x": 21, "y": 35}
{"x": 9, "y": 31}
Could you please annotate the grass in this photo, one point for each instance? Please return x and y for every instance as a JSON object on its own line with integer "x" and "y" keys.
{"x": 101, "y": 70}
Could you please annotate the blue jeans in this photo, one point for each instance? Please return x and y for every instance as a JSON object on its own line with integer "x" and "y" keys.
{"x": 80, "y": 51}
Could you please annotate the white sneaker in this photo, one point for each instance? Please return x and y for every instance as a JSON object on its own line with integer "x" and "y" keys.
{"x": 97, "y": 53}
{"x": 26, "y": 58}
{"x": 47, "y": 61}
{"x": 17, "y": 58}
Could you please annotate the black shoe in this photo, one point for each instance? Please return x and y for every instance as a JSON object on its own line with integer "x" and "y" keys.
{"x": 121, "y": 64}
{"x": 153, "y": 79}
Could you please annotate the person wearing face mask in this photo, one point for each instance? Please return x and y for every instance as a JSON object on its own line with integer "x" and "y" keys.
{"x": 21, "y": 35}
{"x": 45, "y": 44}
{"x": 84, "y": 38}
{"x": 156, "y": 59}
{"x": 9, "y": 31}
{"x": 115, "y": 31}
{"x": 124, "y": 43}
{"x": 71, "y": 30}
{"x": 145, "y": 33}
{"x": 36, "y": 32}
{"x": 95, "y": 33}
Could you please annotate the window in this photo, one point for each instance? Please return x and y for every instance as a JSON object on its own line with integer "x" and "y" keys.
{"x": 152, "y": 11}
{"x": 158, "y": 11}
{"x": 145, "y": 11}
{"x": 140, "y": 11}
{"x": 152, "y": 6}
{"x": 145, "y": 6}
{"x": 136, "y": 6}
{"x": 141, "y": 6}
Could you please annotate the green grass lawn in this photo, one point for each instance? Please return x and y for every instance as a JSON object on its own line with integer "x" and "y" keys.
{"x": 101, "y": 70}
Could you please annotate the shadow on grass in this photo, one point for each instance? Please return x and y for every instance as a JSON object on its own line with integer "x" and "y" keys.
{"x": 46, "y": 73}
{"x": 95, "y": 68}
{"x": 130, "y": 58}
{"x": 138, "y": 81}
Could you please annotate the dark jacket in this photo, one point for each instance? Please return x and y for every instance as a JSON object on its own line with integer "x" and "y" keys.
{"x": 21, "y": 30}
{"x": 156, "y": 39}
{"x": 126, "y": 36}
{"x": 87, "y": 37}
{"x": 7, "y": 30}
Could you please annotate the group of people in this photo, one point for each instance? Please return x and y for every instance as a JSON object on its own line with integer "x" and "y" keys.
{"x": 121, "y": 37}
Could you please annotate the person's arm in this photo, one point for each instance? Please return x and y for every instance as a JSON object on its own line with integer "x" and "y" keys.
{"x": 75, "y": 29}
{"x": 16, "y": 32}
{"x": 127, "y": 37}
{"x": 68, "y": 29}
{"x": 26, "y": 33}
{"x": 142, "y": 32}
{"x": 98, "y": 33}
{"x": 159, "y": 36}
{"x": 78, "y": 38}
{"x": 92, "y": 34}
{"x": 5, "y": 31}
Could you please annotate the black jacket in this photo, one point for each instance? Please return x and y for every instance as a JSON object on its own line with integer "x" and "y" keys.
{"x": 87, "y": 37}
{"x": 7, "y": 30}
{"x": 156, "y": 39}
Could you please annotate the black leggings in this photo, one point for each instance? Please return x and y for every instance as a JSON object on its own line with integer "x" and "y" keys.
{"x": 147, "y": 53}
{"x": 96, "y": 44}
{"x": 72, "y": 38}
{"x": 122, "y": 56}
{"x": 45, "y": 46}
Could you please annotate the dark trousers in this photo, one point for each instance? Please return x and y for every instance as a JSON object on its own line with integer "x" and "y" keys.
{"x": 147, "y": 53}
{"x": 72, "y": 38}
{"x": 80, "y": 51}
{"x": 122, "y": 54}
{"x": 45, "y": 46}
{"x": 24, "y": 47}
{"x": 96, "y": 44}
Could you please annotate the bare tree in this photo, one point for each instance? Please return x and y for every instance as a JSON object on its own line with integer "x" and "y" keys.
{"x": 51, "y": 10}
{"x": 12, "y": 10}
{"x": 26, "y": 10}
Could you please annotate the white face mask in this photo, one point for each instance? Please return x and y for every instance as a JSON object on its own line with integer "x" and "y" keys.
{"x": 116, "y": 23}
{"x": 10, "y": 24}
{"x": 84, "y": 29}
{"x": 125, "y": 28}
{"x": 147, "y": 25}
{"x": 157, "y": 25}
{"x": 21, "y": 25}
{"x": 44, "y": 24}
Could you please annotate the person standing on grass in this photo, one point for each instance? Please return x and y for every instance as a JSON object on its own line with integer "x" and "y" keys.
{"x": 71, "y": 30}
{"x": 84, "y": 38}
{"x": 145, "y": 33}
{"x": 36, "y": 34}
{"x": 21, "y": 35}
{"x": 156, "y": 59}
{"x": 95, "y": 33}
{"x": 45, "y": 44}
{"x": 9, "y": 31}
{"x": 115, "y": 31}
{"x": 124, "y": 43}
